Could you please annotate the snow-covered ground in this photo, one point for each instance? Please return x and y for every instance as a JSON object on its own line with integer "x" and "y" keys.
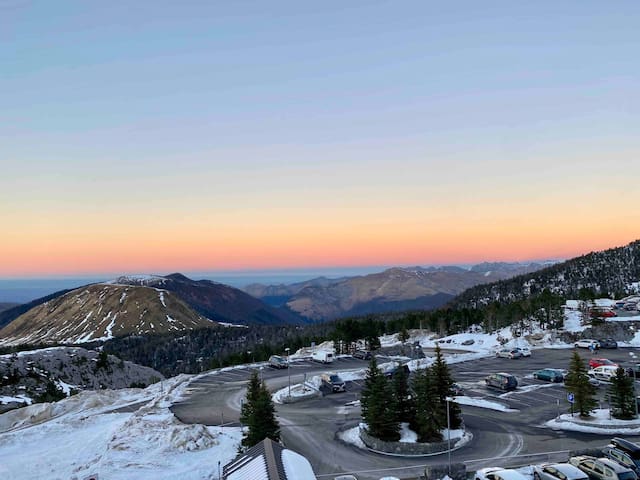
{"x": 600, "y": 422}
{"x": 117, "y": 434}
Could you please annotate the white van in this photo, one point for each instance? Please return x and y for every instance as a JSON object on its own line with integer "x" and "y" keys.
{"x": 322, "y": 356}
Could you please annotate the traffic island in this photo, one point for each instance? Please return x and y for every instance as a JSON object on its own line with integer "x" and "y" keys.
{"x": 600, "y": 422}
{"x": 414, "y": 448}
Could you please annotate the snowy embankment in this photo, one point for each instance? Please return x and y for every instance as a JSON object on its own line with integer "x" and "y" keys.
{"x": 599, "y": 422}
{"x": 116, "y": 434}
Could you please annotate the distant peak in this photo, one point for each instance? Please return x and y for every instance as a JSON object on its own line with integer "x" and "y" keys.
{"x": 143, "y": 280}
{"x": 178, "y": 277}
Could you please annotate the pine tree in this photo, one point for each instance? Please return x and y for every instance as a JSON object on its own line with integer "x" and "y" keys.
{"x": 443, "y": 385}
{"x": 623, "y": 397}
{"x": 378, "y": 405}
{"x": 258, "y": 414}
{"x": 403, "y": 397}
{"x": 403, "y": 336}
{"x": 427, "y": 422}
{"x": 577, "y": 382}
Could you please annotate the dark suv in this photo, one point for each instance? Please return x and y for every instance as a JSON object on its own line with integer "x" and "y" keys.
{"x": 625, "y": 453}
{"x": 608, "y": 343}
{"x": 362, "y": 354}
{"x": 503, "y": 381}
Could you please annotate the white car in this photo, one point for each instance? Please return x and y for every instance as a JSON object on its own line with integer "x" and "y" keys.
{"x": 603, "y": 372}
{"x": 558, "y": 471}
{"x": 525, "y": 351}
{"x": 498, "y": 473}
{"x": 509, "y": 353}
{"x": 587, "y": 343}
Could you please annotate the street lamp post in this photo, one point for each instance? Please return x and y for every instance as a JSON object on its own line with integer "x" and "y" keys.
{"x": 288, "y": 370}
{"x": 249, "y": 355}
{"x": 449, "y": 436}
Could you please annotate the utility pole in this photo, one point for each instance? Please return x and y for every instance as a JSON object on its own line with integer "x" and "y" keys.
{"x": 449, "y": 436}
{"x": 288, "y": 369}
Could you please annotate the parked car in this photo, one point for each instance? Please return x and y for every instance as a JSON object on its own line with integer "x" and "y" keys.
{"x": 498, "y": 473}
{"x": 633, "y": 370}
{"x": 362, "y": 354}
{"x": 549, "y": 374}
{"x": 597, "y": 362}
{"x": 558, "y": 471}
{"x": 333, "y": 381}
{"x": 511, "y": 353}
{"x": 345, "y": 477}
{"x": 468, "y": 342}
{"x": 587, "y": 343}
{"x": 391, "y": 370}
{"x": 503, "y": 381}
{"x": 525, "y": 351}
{"x": 276, "y": 361}
{"x": 457, "y": 389}
{"x": 625, "y": 453}
{"x": 602, "y": 312}
{"x": 607, "y": 343}
{"x": 603, "y": 372}
{"x": 602, "y": 468}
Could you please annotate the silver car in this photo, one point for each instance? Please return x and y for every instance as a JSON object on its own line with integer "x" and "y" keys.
{"x": 558, "y": 471}
{"x": 509, "y": 353}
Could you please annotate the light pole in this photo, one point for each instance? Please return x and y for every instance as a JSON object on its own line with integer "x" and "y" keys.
{"x": 249, "y": 355}
{"x": 448, "y": 436}
{"x": 288, "y": 370}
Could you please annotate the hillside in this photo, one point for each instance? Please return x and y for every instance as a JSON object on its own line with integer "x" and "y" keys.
{"x": 216, "y": 301}
{"x": 25, "y": 376}
{"x": 615, "y": 271}
{"x": 395, "y": 289}
{"x": 10, "y": 314}
{"x": 100, "y": 312}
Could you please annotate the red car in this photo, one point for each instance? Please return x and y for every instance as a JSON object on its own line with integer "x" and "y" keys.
{"x": 596, "y": 362}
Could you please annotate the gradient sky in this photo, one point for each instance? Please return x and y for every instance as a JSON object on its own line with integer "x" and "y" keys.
{"x": 185, "y": 136}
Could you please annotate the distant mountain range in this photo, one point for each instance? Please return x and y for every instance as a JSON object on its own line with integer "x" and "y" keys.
{"x": 394, "y": 289}
{"x": 6, "y": 306}
{"x": 615, "y": 271}
{"x": 138, "y": 305}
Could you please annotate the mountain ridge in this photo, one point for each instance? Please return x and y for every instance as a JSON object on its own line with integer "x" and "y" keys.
{"x": 606, "y": 272}
{"x": 394, "y": 289}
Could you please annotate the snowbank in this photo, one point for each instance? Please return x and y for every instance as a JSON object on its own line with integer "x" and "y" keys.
{"x": 124, "y": 434}
{"x": 598, "y": 423}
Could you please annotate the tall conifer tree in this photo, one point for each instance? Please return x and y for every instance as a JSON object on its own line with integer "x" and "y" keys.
{"x": 258, "y": 414}
{"x": 577, "y": 382}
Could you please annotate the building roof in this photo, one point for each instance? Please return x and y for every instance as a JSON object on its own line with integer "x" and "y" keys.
{"x": 269, "y": 460}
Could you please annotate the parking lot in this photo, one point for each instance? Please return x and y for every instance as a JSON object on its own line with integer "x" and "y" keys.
{"x": 311, "y": 425}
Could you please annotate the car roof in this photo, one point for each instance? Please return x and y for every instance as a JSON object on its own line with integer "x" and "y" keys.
{"x": 626, "y": 446}
{"x": 509, "y": 474}
{"x": 616, "y": 467}
{"x": 568, "y": 469}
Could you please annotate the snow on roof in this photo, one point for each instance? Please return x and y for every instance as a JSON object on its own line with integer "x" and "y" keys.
{"x": 296, "y": 466}
{"x": 255, "y": 469}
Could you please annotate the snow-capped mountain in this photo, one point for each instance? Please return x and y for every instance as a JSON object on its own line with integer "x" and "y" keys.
{"x": 100, "y": 312}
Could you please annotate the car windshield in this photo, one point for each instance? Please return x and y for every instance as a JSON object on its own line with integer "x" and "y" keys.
{"x": 627, "y": 476}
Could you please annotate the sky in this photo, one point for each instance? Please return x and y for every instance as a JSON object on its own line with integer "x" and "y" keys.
{"x": 199, "y": 136}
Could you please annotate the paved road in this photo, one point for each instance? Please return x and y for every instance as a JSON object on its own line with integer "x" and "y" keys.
{"x": 310, "y": 427}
